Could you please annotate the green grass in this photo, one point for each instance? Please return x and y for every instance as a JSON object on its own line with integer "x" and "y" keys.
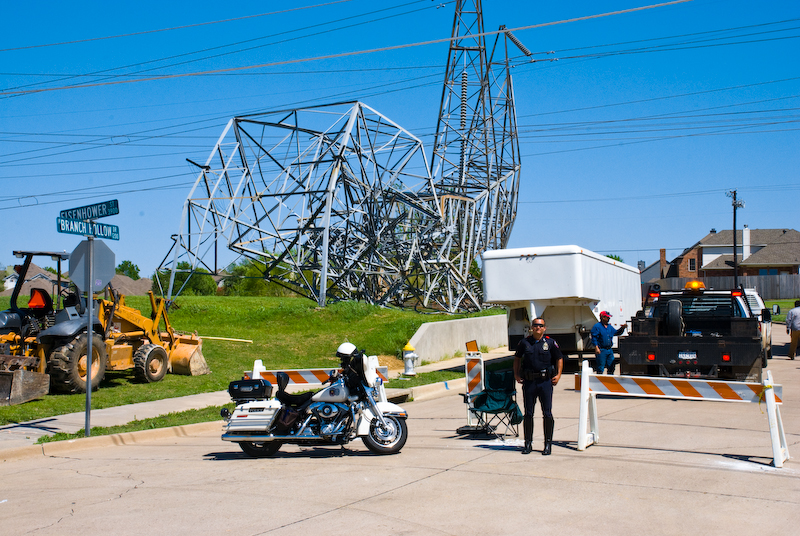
{"x": 424, "y": 378}
{"x": 288, "y": 333}
{"x": 182, "y": 418}
{"x": 785, "y": 305}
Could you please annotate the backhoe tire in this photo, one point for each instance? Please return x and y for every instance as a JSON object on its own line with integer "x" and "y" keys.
{"x": 68, "y": 364}
{"x": 150, "y": 363}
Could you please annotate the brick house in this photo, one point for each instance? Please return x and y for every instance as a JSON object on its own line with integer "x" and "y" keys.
{"x": 759, "y": 252}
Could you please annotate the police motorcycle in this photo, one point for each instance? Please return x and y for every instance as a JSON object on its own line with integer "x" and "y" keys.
{"x": 348, "y": 408}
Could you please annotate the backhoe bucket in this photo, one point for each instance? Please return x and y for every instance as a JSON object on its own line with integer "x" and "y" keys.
{"x": 20, "y": 386}
{"x": 187, "y": 357}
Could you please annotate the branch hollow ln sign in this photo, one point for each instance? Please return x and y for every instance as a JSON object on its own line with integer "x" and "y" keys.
{"x": 87, "y": 228}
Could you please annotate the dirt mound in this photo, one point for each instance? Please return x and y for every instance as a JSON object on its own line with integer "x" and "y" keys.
{"x": 393, "y": 362}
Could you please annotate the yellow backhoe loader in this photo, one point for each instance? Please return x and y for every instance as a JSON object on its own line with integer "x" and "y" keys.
{"x": 43, "y": 346}
{"x": 136, "y": 341}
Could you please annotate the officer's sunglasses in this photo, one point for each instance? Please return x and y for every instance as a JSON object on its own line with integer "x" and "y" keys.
{"x": 538, "y": 325}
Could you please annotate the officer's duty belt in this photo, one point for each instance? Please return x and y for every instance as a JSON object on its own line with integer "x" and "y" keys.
{"x": 535, "y": 375}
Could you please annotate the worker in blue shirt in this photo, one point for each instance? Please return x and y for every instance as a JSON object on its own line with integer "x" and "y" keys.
{"x": 603, "y": 340}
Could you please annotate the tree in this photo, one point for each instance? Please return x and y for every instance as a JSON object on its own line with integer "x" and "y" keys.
{"x": 129, "y": 269}
{"x": 198, "y": 284}
{"x": 615, "y": 257}
{"x": 247, "y": 279}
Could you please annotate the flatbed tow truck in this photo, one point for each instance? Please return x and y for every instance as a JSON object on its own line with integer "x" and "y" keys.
{"x": 695, "y": 333}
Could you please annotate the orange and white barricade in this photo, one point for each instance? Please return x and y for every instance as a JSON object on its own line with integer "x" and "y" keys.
{"x": 313, "y": 377}
{"x": 474, "y": 371}
{"x": 685, "y": 389}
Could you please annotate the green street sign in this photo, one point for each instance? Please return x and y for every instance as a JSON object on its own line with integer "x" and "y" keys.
{"x": 92, "y": 212}
{"x": 87, "y": 228}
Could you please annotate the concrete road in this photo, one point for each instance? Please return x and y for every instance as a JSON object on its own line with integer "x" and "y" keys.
{"x": 663, "y": 467}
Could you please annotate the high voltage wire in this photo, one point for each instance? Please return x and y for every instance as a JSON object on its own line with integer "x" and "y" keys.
{"x": 344, "y": 54}
{"x": 565, "y": 126}
{"x": 602, "y": 45}
{"x": 527, "y": 132}
{"x": 61, "y": 145}
{"x": 114, "y": 76}
{"x": 716, "y": 191}
{"x": 28, "y": 47}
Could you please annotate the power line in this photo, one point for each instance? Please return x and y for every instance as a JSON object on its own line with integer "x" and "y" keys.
{"x": 341, "y": 54}
{"x": 716, "y": 191}
{"x": 28, "y": 47}
{"x": 119, "y": 75}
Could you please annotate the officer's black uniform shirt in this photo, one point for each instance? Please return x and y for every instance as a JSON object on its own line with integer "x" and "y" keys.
{"x": 538, "y": 355}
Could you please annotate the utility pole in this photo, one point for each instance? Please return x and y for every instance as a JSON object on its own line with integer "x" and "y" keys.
{"x": 736, "y": 204}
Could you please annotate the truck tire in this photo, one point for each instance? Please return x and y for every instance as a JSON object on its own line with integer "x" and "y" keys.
{"x": 674, "y": 318}
{"x": 150, "y": 363}
{"x": 68, "y": 364}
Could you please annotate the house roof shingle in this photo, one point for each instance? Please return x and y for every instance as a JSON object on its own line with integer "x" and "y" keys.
{"x": 777, "y": 247}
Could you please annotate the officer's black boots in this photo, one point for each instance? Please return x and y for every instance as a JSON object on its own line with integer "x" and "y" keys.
{"x": 527, "y": 427}
{"x": 549, "y": 424}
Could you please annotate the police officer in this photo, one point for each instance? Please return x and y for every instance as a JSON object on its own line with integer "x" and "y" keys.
{"x": 537, "y": 366}
{"x": 603, "y": 340}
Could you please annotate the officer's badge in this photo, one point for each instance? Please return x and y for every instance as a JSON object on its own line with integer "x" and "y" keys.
{"x": 545, "y": 346}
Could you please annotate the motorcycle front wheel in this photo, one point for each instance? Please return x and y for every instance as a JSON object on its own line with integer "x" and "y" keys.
{"x": 389, "y": 439}
{"x": 260, "y": 450}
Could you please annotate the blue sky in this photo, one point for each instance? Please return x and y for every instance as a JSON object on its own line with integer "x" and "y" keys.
{"x": 629, "y": 141}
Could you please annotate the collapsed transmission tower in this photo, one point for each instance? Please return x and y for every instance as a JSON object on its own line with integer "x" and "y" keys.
{"x": 339, "y": 202}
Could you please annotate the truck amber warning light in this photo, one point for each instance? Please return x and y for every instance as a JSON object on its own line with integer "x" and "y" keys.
{"x": 695, "y": 285}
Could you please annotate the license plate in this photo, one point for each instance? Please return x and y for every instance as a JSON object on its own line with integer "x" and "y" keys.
{"x": 687, "y": 355}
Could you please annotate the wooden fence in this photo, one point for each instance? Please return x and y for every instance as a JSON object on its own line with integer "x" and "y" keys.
{"x": 770, "y": 287}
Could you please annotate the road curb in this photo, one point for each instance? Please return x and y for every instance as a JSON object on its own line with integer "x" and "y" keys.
{"x": 58, "y": 448}
{"x": 427, "y": 392}
{"x": 438, "y": 390}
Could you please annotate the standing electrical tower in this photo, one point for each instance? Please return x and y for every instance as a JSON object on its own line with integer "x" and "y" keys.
{"x": 475, "y": 163}
{"x": 339, "y": 202}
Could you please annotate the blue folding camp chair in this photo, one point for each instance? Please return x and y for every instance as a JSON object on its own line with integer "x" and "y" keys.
{"x": 496, "y": 408}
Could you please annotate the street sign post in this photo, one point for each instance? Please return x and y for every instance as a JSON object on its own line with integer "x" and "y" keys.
{"x": 97, "y": 267}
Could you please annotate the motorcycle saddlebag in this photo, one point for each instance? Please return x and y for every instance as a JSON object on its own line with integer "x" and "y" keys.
{"x": 285, "y": 419}
{"x": 250, "y": 389}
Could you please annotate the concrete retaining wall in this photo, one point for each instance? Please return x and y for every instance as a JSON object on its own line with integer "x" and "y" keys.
{"x": 435, "y": 341}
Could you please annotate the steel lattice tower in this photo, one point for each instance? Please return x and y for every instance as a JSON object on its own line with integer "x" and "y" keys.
{"x": 340, "y": 202}
{"x": 475, "y": 161}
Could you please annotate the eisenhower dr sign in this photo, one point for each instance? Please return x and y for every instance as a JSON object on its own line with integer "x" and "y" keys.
{"x": 79, "y": 220}
{"x": 92, "y": 212}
